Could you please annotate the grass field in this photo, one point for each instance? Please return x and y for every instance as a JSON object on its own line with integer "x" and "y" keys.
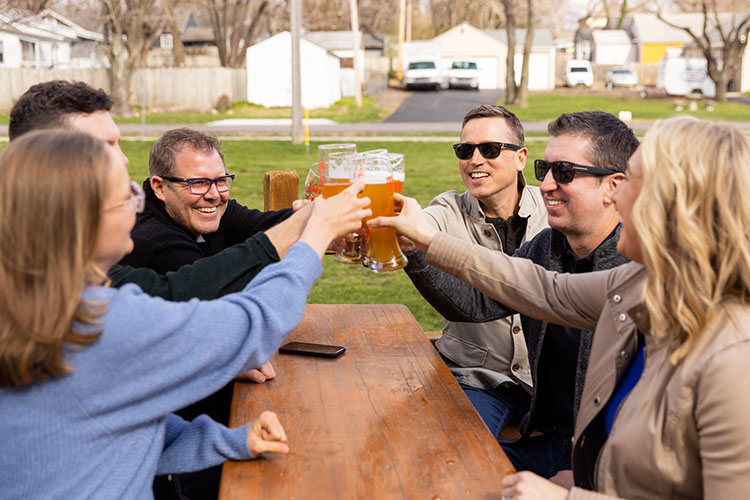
{"x": 431, "y": 169}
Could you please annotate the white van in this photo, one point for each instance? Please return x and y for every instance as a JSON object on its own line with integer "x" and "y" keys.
{"x": 579, "y": 72}
{"x": 685, "y": 76}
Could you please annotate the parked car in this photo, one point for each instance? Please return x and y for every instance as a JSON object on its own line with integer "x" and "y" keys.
{"x": 620, "y": 76}
{"x": 579, "y": 72}
{"x": 422, "y": 74}
{"x": 463, "y": 74}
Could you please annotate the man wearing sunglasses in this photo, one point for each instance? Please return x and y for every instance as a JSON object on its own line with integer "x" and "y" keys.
{"x": 584, "y": 161}
{"x": 189, "y": 214}
{"x": 498, "y": 211}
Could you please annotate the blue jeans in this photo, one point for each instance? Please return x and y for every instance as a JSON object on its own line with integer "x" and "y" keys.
{"x": 545, "y": 454}
{"x": 498, "y": 407}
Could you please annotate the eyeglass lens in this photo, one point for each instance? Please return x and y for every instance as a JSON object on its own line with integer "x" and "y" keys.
{"x": 562, "y": 171}
{"x": 489, "y": 150}
{"x": 202, "y": 186}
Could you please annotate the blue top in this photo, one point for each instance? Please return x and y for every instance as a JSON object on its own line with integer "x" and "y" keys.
{"x": 105, "y": 430}
{"x": 631, "y": 377}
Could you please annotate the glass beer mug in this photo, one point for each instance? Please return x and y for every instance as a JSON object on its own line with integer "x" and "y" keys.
{"x": 382, "y": 252}
{"x": 340, "y": 169}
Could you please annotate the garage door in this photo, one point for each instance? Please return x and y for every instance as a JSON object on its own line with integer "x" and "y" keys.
{"x": 538, "y": 70}
{"x": 487, "y": 67}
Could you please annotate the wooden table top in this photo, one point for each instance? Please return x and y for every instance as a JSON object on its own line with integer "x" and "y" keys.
{"x": 384, "y": 420}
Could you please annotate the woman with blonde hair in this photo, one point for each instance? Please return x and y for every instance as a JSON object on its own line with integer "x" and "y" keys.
{"x": 89, "y": 375}
{"x": 665, "y": 411}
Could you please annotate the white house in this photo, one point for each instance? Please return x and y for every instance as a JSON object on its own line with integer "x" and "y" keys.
{"x": 464, "y": 41}
{"x": 45, "y": 40}
{"x": 541, "y": 59}
{"x": 269, "y": 73}
{"x": 612, "y": 47}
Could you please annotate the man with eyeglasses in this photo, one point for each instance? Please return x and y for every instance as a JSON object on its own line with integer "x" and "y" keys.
{"x": 583, "y": 163}
{"x": 189, "y": 214}
{"x": 498, "y": 211}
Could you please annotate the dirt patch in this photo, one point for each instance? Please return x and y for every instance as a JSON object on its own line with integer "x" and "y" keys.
{"x": 391, "y": 98}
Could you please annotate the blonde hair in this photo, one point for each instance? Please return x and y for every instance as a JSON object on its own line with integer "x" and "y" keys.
{"x": 693, "y": 221}
{"x": 52, "y": 187}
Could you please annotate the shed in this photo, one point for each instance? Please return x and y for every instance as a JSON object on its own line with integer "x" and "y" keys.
{"x": 541, "y": 59}
{"x": 464, "y": 41}
{"x": 612, "y": 47}
{"x": 269, "y": 73}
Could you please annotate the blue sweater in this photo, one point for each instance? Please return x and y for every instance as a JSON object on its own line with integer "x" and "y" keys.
{"x": 105, "y": 430}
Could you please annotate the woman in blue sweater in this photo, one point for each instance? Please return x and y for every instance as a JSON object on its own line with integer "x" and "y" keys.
{"x": 89, "y": 375}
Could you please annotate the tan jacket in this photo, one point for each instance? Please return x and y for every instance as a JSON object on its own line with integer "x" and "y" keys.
{"x": 487, "y": 354}
{"x": 684, "y": 431}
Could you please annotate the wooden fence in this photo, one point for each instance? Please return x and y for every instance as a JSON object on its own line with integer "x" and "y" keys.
{"x": 166, "y": 88}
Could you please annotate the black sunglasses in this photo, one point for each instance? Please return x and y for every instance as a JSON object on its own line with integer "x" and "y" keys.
{"x": 564, "y": 171}
{"x": 490, "y": 150}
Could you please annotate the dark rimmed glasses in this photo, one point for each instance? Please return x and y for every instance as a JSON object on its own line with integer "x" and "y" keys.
{"x": 490, "y": 150}
{"x": 202, "y": 185}
{"x": 136, "y": 200}
{"x": 564, "y": 171}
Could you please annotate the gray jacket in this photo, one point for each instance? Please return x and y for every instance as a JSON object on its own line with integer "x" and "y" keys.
{"x": 482, "y": 355}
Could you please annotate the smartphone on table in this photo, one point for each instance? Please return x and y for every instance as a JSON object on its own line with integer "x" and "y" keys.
{"x": 308, "y": 349}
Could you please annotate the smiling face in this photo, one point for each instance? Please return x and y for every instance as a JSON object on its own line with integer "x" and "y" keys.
{"x": 491, "y": 179}
{"x": 198, "y": 214}
{"x": 624, "y": 197}
{"x": 582, "y": 209}
{"x": 118, "y": 219}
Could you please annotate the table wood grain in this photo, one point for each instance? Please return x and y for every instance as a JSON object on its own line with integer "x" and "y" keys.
{"x": 384, "y": 420}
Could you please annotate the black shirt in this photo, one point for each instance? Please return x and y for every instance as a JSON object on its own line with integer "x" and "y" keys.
{"x": 511, "y": 232}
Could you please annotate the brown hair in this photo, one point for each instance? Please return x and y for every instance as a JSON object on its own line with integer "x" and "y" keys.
{"x": 52, "y": 187}
{"x": 50, "y": 104}
{"x": 161, "y": 160}
{"x": 496, "y": 111}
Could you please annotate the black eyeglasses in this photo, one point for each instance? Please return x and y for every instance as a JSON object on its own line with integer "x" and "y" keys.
{"x": 490, "y": 150}
{"x": 564, "y": 171}
{"x": 201, "y": 185}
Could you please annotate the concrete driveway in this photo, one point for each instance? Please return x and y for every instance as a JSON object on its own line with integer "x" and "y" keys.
{"x": 444, "y": 106}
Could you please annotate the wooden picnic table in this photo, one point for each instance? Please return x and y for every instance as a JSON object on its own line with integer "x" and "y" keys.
{"x": 384, "y": 420}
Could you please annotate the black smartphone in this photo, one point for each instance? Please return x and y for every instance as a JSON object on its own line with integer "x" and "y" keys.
{"x": 307, "y": 349}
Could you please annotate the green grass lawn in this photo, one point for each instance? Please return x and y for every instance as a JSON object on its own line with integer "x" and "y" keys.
{"x": 545, "y": 107}
{"x": 431, "y": 168}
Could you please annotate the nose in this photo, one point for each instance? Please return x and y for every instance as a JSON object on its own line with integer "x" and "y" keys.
{"x": 122, "y": 155}
{"x": 213, "y": 192}
{"x": 476, "y": 157}
{"x": 548, "y": 183}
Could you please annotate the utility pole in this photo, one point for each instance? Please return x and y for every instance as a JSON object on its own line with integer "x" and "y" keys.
{"x": 408, "y": 20}
{"x": 357, "y": 46}
{"x": 401, "y": 23}
{"x": 296, "y": 25}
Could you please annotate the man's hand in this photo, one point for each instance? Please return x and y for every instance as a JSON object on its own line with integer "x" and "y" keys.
{"x": 297, "y": 204}
{"x": 528, "y": 486}
{"x": 410, "y": 222}
{"x": 266, "y": 434}
{"x": 258, "y": 375}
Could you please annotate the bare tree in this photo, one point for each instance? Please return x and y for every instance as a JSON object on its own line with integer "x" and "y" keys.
{"x": 236, "y": 25}
{"x": 511, "y": 89}
{"x": 523, "y": 87}
{"x": 178, "y": 51}
{"x": 130, "y": 29}
{"x": 722, "y": 40}
{"x": 33, "y": 6}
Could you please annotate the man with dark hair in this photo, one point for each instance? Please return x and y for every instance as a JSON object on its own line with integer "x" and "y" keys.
{"x": 498, "y": 211}
{"x": 583, "y": 163}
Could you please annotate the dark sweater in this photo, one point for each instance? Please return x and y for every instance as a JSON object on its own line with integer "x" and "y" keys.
{"x": 457, "y": 301}
{"x": 162, "y": 245}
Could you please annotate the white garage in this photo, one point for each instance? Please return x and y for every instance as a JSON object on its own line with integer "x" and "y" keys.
{"x": 269, "y": 73}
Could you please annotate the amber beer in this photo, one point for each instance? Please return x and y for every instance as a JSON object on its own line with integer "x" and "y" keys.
{"x": 383, "y": 252}
{"x": 334, "y": 187}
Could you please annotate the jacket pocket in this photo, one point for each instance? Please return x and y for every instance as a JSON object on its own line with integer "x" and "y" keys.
{"x": 462, "y": 352}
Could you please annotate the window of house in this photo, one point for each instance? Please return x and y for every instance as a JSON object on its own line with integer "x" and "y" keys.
{"x": 27, "y": 51}
{"x": 166, "y": 41}
{"x": 1, "y": 52}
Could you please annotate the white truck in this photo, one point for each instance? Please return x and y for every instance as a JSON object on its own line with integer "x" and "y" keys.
{"x": 685, "y": 76}
{"x": 422, "y": 65}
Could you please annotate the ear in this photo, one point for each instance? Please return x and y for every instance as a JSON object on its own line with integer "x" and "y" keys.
{"x": 521, "y": 154}
{"x": 157, "y": 185}
{"x": 610, "y": 183}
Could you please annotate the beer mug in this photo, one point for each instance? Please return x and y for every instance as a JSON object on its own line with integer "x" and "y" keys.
{"x": 382, "y": 252}
{"x": 312, "y": 183}
{"x": 399, "y": 172}
{"x": 340, "y": 169}
{"x": 325, "y": 150}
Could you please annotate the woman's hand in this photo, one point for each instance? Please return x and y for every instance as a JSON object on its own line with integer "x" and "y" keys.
{"x": 258, "y": 375}
{"x": 335, "y": 216}
{"x": 528, "y": 486}
{"x": 266, "y": 435}
{"x": 410, "y": 222}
